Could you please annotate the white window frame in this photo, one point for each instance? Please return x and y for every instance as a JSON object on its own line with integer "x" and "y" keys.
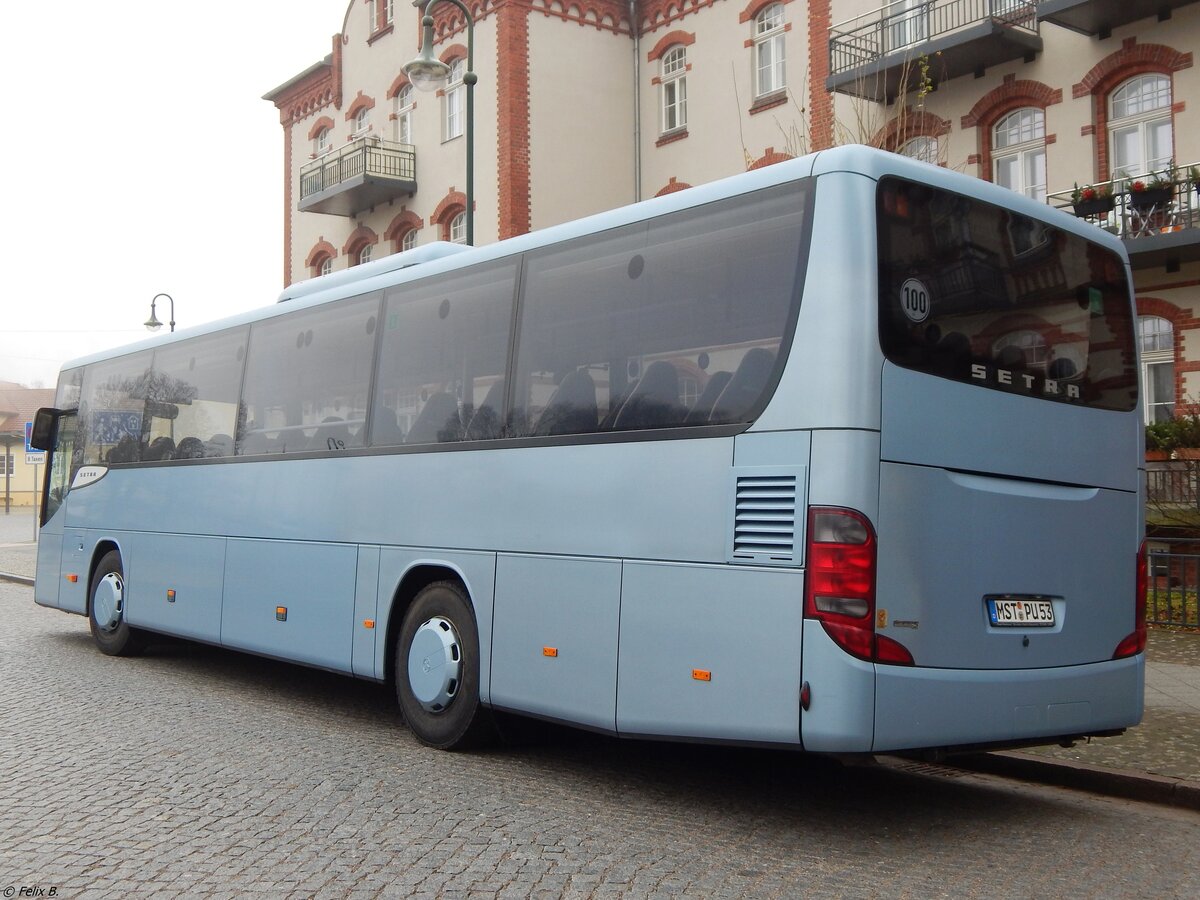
{"x": 1156, "y": 340}
{"x": 1020, "y": 136}
{"x": 673, "y": 89}
{"x": 364, "y": 254}
{"x": 770, "y": 56}
{"x": 923, "y": 147}
{"x": 452, "y": 122}
{"x": 362, "y": 121}
{"x": 389, "y": 11}
{"x": 404, "y": 118}
{"x": 322, "y": 143}
{"x": 409, "y": 240}
{"x": 1153, "y": 109}
{"x": 458, "y": 229}
{"x": 326, "y": 266}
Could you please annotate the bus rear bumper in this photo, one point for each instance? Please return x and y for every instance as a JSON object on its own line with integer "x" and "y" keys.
{"x": 930, "y": 708}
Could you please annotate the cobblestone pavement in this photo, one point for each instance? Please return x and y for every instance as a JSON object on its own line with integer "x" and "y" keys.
{"x": 194, "y": 771}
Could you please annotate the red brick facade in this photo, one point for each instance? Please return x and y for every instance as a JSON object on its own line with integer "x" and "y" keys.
{"x": 512, "y": 118}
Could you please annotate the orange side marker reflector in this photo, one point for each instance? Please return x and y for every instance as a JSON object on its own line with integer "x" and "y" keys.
{"x": 549, "y": 651}
{"x": 170, "y": 596}
{"x": 281, "y": 613}
{"x": 368, "y": 623}
{"x": 73, "y": 578}
{"x": 702, "y": 674}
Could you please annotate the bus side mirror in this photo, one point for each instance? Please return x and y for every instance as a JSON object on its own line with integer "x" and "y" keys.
{"x": 45, "y": 429}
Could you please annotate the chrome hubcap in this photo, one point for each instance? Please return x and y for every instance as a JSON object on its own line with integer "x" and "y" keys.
{"x": 435, "y": 664}
{"x": 108, "y": 603}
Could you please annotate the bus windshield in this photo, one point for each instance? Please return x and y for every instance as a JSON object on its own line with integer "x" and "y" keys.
{"x": 980, "y": 294}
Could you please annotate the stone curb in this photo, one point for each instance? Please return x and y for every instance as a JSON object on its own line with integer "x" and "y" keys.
{"x": 19, "y": 579}
{"x": 1123, "y": 783}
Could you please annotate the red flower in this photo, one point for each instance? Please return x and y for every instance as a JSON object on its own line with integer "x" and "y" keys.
{"x": 1089, "y": 193}
{"x": 1138, "y": 186}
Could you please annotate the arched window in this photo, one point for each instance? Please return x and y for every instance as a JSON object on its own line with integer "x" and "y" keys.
{"x": 1019, "y": 152}
{"x": 404, "y": 110}
{"x": 673, "y": 75}
{"x": 409, "y": 240}
{"x": 922, "y": 147}
{"x": 1156, "y": 337}
{"x": 321, "y": 142}
{"x": 362, "y": 121}
{"x": 769, "y": 53}
{"x": 454, "y": 101}
{"x": 326, "y": 266}
{"x": 1139, "y": 126}
{"x": 364, "y": 255}
{"x": 458, "y": 228}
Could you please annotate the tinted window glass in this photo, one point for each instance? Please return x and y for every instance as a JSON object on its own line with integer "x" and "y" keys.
{"x": 307, "y": 379}
{"x": 980, "y": 294}
{"x": 676, "y": 321}
{"x": 111, "y": 409}
{"x": 441, "y": 367}
{"x": 70, "y": 384}
{"x": 192, "y": 408}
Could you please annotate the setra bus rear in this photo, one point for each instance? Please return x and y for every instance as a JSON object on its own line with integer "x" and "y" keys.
{"x": 995, "y": 595}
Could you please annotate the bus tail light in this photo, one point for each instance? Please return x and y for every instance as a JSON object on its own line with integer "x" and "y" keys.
{"x": 1135, "y": 642}
{"x": 840, "y": 584}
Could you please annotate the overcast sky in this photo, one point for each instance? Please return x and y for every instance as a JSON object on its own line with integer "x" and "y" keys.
{"x": 141, "y": 158}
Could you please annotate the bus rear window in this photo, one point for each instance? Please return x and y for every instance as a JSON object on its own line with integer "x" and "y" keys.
{"x": 979, "y": 294}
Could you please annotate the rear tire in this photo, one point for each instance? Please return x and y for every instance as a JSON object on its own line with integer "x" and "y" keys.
{"x": 437, "y": 670}
{"x": 106, "y": 610}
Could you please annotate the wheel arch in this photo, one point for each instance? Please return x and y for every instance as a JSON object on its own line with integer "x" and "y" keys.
{"x": 418, "y": 576}
{"x": 102, "y": 548}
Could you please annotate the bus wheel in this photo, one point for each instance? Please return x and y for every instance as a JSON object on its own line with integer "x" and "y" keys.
{"x": 106, "y": 611}
{"x": 437, "y": 670}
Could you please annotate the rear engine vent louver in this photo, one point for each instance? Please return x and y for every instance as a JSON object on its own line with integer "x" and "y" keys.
{"x": 764, "y": 519}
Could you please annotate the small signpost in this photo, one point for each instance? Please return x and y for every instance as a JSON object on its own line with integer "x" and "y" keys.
{"x": 34, "y": 458}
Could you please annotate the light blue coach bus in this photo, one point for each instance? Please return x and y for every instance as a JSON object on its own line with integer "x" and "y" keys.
{"x": 841, "y": 454}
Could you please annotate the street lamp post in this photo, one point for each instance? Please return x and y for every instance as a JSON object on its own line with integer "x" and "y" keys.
{"x": 152, "y": 323}
{"x": 427, "y": 72}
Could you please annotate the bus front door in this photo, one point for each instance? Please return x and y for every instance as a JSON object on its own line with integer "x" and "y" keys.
{"x": 53, "y": 518}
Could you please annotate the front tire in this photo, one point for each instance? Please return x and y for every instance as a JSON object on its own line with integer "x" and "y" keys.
{"x": 106, "y": 610}
{"x": 437, "y": 670}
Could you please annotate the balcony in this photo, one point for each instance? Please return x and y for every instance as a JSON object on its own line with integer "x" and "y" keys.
{"x": 364, "y": 173}
{"x": 895, "y": 49}
{"x": 1100, "y": 17}
{"x": 1159, "y": 227}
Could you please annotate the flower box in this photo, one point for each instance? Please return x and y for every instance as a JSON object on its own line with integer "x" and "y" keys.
{"x": 1093, "y": 207}
{"x": 1150, "y": 197}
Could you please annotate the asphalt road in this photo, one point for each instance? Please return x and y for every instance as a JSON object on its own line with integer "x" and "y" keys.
{"x": 195, "y": 771}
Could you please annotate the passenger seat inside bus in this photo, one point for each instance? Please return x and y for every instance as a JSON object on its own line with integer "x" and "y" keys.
{"x": 572, "y": 407}
{"x": 190, "y": 448}
{"x": 437, "y": 422}
{"x": 745, "y": 387}
{"x": 654, "y": 400}
{"x": 160, "y": 448}
{"x": 703, "y": 407}
{"x": 332, "y": 435}
{"x": 485, "y": 422}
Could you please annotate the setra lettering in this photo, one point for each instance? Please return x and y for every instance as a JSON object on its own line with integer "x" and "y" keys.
{"x": 1050, "y": 387}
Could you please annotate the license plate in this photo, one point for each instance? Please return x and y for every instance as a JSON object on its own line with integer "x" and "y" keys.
{"x": 1020, "y": 612}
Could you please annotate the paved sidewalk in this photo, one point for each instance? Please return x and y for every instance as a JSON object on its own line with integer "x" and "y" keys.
{"x": 1158, "y": 760}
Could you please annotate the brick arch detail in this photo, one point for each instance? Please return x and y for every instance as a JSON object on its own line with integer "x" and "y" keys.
{"x": 1179, "y": 319}
{"x": 400, "y": 226}
{"x": 769, "y": 158}
{"x": 397, "y": 86}
{"x": 669, "y": 40}
{"x": 323, "y": 122}
{"x": 453, "y": 52}
{"x": 754, "y": 7}
{"x": 359, "y": 238}
{"x": 362, "y": 101}
{"x": 1132, "y": 59}
{"x": 320, "y": 250}
{"x": 672, "y": 186}
{"x": 452, "y": 204}
{"x": 999, "y": 102}
{"x": 913, "y": 123}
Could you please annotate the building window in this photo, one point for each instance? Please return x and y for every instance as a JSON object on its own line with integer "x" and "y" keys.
{"x": 6, "y": 465}
{"x": 768, "y": 51}
{"x": 1139, "y": 126}
{"x": 321, "y": 144}
{"x": 458, "y": 229}
{"x": 409, "y": 240}
{"x": 364, "y": 255}
{"x": 454, "y": 101}
{"x": 907, "y": 22}
{"x": 362, "y": 121}
{"x": 673, "y": 75}
{"x": 389, "y": 11}
{"x": 404, "y": 110}
{"x": 326, "y": 266}
{"x": 923, "y": 148}
{"x": 1019, "y": 152}
{"x": 1156, "y": 337}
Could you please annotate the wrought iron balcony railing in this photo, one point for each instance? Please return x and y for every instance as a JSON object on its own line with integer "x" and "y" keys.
{"x": 1160, "y": 224}
{"x": 879, "y": 54}
{"x": 362, "y": 174}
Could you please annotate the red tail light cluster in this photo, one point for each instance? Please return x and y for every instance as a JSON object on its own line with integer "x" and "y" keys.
{"x": 840, "y": 584}
{"x": 1135, "y": 643}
